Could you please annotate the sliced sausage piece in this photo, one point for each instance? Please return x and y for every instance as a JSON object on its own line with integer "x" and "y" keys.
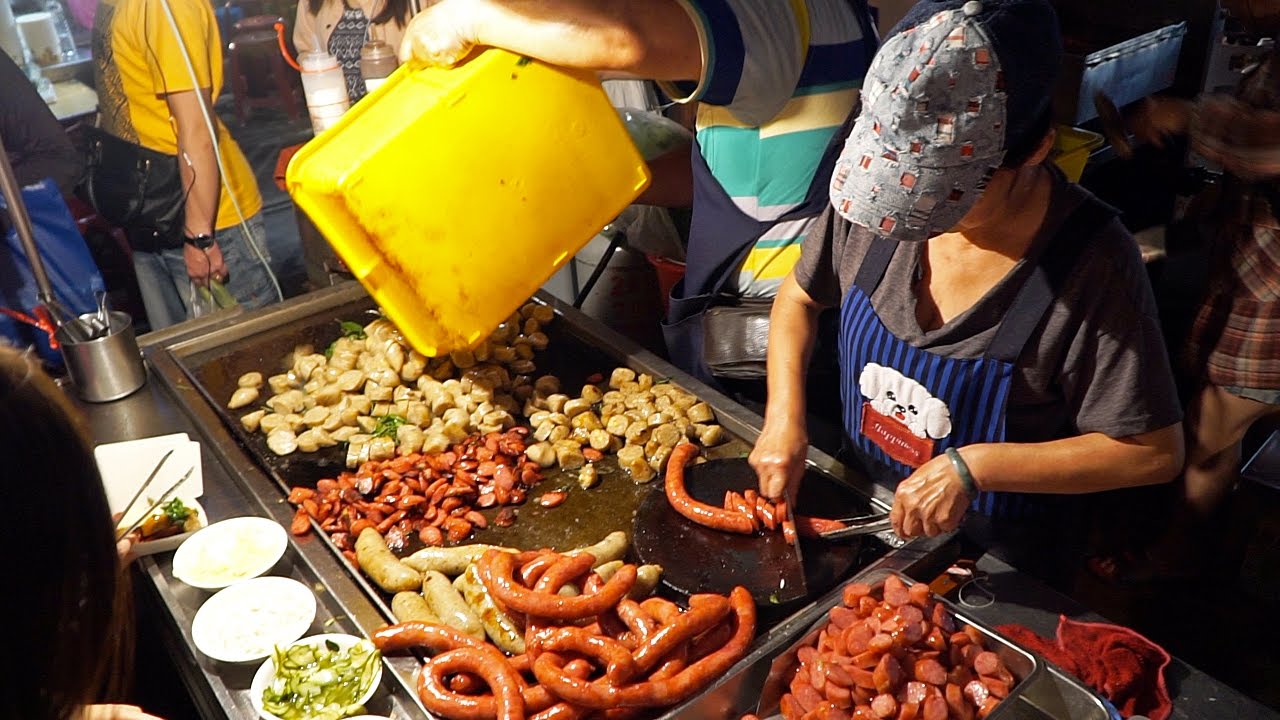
{"x": 895, "y": 591}
{"x": 974, "y": 634}
{"x": 988, "y": 707}
{"x": 959, "y": 707}
{"x": 841, "y": 697}
{"x": 828, "y": 711}
{"x": 996, "y": 686}
{"x": 867, "y": 605}
{"x": 919, "y": 594}
{"x": 863, "y": 712}
{"x": 888, "y": 674}
{"x": 930, "y": 671}
{"x": 853, "y": 592}
{"x": 881, "y": 643}
{"x": 987, "y": 663}
{"x": 806, "y": 696}
{"x": 908, "y": 614}
{"x": 977, "y": 693}
{"x": 843, "y": 617}
{"x": 838, "y": 675}
{"x": 806, "y": 655}
{"x": 935, "y": 639}
{"x": 790, "y": 708}
{"x": 818, "y": 676}
{"x": 909, "y": 710}
{"x": 960, "y": 675}
{"x": 862, "y": 678}
{"x": 916, "y": 692}
{"x": 884, "y": 706}
{"x": 856, "y": 638}
{"x": 934, "y": 708}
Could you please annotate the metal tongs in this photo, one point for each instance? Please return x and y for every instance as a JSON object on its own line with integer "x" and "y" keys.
{"x": 858, "y": 526}
{"x": 164, "y": 497}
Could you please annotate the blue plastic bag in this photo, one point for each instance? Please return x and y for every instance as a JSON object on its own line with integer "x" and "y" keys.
{"x": 71, "y": 269}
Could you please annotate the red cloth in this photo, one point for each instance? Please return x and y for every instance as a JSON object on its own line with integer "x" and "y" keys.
{"x": 1125, "y": 667}
{"x": 282, "y": 164}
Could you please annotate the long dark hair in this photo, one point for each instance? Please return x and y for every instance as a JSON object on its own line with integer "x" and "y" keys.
{"x": 65, "y": 598}
{"x": 397, "y": 10}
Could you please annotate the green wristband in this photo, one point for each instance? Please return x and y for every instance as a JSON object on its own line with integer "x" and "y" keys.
{"x": 962, "y": 469}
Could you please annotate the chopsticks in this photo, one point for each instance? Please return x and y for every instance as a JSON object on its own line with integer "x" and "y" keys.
{"x": 163, "y": 499}
{"x": 145, "y": 483}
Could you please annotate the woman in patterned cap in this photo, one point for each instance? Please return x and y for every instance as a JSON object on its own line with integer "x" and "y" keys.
{"x": 1234, "y": 348}
{"x": 999, "y": 345}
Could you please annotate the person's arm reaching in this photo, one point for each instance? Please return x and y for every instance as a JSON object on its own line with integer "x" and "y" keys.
{"x": 654, "y": 39}
{"x": 933, "y": 500}
{"x": 198, "y": 165}
{"x": 779, "y": 453}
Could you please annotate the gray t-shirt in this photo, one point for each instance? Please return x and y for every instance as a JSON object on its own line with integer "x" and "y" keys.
{"x": 1096, "y": 363}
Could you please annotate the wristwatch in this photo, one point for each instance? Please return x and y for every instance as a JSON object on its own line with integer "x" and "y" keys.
{"x": 204, "y": 241}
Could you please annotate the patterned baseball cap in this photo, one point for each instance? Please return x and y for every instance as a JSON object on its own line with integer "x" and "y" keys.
{"x": 954, "y": 86}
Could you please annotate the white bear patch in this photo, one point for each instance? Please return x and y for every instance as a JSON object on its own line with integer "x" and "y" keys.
{"x": 897, "y": 396}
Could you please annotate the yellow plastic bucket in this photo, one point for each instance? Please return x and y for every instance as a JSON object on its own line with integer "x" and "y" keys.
{"x": 1071, "y": 149}
{"x": 453, "y": 194}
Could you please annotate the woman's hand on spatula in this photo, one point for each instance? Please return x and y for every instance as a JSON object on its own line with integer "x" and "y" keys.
{"x": 778, "y": 458}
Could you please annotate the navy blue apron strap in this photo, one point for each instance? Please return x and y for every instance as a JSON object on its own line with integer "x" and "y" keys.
{"x": 874, "y": 264}
{"x": 1051, "y": 271}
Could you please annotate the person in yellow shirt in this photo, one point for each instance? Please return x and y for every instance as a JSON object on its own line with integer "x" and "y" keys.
{"x": 157, "y": 63}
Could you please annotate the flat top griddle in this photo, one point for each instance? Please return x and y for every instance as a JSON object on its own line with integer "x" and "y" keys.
{"x": 697, "y": 559}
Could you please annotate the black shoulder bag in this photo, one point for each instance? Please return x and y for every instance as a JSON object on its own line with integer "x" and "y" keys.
{"x": 135, "y": 188}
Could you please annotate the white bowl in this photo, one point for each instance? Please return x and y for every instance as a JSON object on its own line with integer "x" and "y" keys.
{"x": 245, "y": 621}
{"x": 267, "y": 673}
{"x": 230, "y": 551}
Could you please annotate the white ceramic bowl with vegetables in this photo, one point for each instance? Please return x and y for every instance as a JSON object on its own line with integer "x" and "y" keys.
{"x": 322, "y": 677}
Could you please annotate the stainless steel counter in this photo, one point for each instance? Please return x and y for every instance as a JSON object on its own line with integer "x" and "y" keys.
{"x": 235, "y": 485}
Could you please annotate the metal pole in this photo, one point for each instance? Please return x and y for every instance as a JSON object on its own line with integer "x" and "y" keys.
{"x": 22, "y": 224}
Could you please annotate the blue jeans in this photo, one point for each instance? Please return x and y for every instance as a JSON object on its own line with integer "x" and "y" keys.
{"x": 166, "y": 288}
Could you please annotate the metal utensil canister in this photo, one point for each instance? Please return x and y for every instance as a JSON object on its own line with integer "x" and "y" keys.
{"x": 108, "y": 367}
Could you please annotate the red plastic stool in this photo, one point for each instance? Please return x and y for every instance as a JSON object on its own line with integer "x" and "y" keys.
{"x": 254, "y": 48}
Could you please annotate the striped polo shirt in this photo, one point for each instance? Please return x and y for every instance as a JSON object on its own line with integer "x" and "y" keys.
{"x": 779, "y": 78}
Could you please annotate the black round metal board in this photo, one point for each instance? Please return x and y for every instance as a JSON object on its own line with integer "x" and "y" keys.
{"x": 697, "y": 559}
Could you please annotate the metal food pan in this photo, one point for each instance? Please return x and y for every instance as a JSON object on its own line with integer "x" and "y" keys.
{"x": 1026, "y": 667}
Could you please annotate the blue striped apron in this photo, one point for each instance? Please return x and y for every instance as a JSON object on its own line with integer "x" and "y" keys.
{"x": 904, "y": 405}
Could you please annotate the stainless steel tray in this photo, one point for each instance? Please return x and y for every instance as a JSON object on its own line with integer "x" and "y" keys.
{"x": 1025, "y": 666}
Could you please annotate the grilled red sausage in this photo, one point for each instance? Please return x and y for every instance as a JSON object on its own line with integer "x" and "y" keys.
{"x": 701, "y": 513}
